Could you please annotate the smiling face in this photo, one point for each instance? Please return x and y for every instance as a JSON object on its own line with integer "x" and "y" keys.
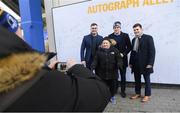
{"x": 117, "y": 29}
{"x": 138, "y": 31}
{"x": 106, "y": 44}
{"x": 94, "y": 30}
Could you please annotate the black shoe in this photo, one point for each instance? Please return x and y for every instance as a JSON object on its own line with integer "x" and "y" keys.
{"x": 123, "y": 94}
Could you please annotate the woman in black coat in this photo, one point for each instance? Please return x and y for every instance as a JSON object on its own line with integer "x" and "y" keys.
{"x": 106, "y": 64}
{"x": 26, "y": 86}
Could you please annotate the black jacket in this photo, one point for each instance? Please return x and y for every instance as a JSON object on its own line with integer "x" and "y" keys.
{"x": 54, "y": 91}
{"x": 123, "y": 45}
{"x": 107, "y": 62}
{"x": 145, "y": 55}
{"x": 25, "y": 86}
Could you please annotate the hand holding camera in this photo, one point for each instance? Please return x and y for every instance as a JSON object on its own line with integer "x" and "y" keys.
{"x": 64, "y": 66}
{"x": 70, "y": 63}
{"x": 61, "y": 66}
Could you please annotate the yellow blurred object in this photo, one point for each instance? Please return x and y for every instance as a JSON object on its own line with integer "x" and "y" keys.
{"x": 1, "y": 11}
{"x": 113, "y": 42}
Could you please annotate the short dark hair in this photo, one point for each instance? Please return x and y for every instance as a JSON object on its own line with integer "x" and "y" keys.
{"x": 107, "y": 38}
{"x": 94, "y": 24}
{"x": 137, "y": 25}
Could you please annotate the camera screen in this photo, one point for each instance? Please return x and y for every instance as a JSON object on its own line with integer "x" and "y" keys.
{"x": 61, "y": 66}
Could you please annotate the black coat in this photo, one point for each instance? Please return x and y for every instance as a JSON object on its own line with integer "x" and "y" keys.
{"x": 21, "y": 89}
{"x": 123, "y": 45}
{"x": 77, "y": 91}
{"x": 145, "y": 55}
{"x": 107, "y": 62}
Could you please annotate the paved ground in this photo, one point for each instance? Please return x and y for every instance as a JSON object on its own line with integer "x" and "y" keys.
{"x": 163, "y": 100}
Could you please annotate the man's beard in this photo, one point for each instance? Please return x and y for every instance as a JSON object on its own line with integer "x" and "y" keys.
{"x": 94, "y": 33}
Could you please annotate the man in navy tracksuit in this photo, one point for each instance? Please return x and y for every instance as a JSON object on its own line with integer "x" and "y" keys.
{"x": 89, "y": 46}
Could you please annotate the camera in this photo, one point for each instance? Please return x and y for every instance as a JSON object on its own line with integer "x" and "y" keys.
{"x": 61, "y": 66}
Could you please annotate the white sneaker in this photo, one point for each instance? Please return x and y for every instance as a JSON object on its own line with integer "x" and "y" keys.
{"x": 113, "y": 100}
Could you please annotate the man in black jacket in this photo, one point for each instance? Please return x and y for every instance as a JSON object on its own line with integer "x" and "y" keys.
{"x": 142, "y": 60}
{"x": 122, "y": 42}
{"x": 26, "y": 86}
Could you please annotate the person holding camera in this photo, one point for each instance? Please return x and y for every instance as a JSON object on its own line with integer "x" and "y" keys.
{"x": 27, "y": 86}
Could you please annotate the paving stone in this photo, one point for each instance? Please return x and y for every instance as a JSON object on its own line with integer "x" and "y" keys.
{"x": 162, "y": 100}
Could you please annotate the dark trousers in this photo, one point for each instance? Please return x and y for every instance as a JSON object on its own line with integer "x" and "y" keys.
{"x": 137, "y": 76}
{"x": 88, "y": 63}
{"x": 123, "y": 79}
{"x": 112, "y": 86}
{"x": 146, "y": 76}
